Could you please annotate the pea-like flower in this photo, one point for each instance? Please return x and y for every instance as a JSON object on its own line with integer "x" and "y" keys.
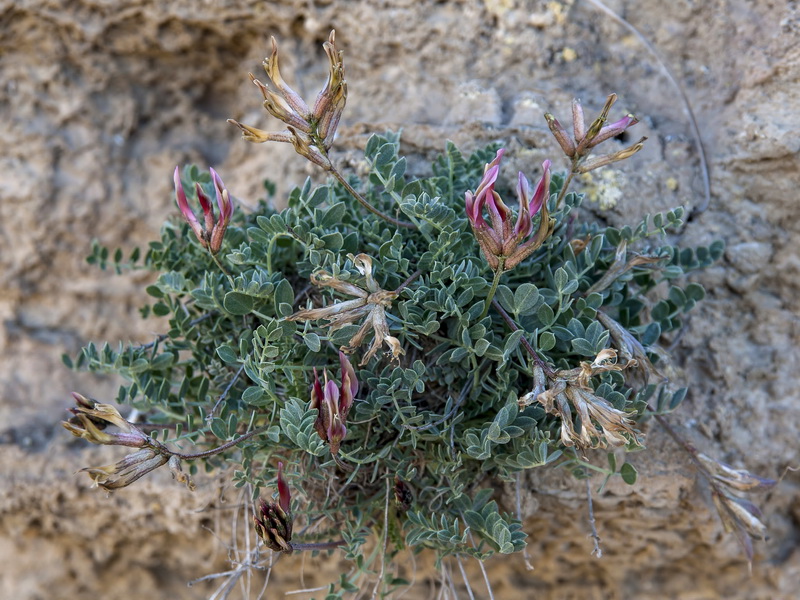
{"x": 506, "y": 244}
{"x": 584, "y": 140}
{"x": 311, "y": 131}
{"x": 211, "y": 233}
{"x": 273, "y": 521}
{"x": 334, "y": 403}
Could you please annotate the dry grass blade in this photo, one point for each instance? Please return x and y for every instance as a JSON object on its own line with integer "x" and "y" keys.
{"x": 465, "y": 578}
{"x": 385, "y": 539}
{"x": 701, "y": 152}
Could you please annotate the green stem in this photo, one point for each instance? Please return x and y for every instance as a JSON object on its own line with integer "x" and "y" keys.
{"x": 271, "y": 248}
{"x": 223, "y": 269}
{"x": 497, "y": 273}
{"x": 366, "y": 204}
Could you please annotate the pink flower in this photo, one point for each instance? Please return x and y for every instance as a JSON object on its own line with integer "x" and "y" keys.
{"x": 334, "y": 403}
{"x": 505, "y": 244}
{"x": 211, "y": 233}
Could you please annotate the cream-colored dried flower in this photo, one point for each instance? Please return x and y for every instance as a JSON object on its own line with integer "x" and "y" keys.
{"x": 741, "y": 517}
{"x": 90, "y": 420}
{"x": 738, "y": 515}
{"x": 368, "y": 307}
{"x": 126, "y": 471}
{"x": 600, "y": 424}
{"x": 735, "y": 479}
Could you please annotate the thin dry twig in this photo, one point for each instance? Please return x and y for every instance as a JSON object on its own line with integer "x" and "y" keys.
{"x": 224, "y": 394}
{"x": 385, "y": 538}
{"x": 465, "y": 578}
{"x": 482, "y": 568}
{"x": 306, "y": 590}
{"x": 597, "y": 551}
{"x": 525, "y": 554}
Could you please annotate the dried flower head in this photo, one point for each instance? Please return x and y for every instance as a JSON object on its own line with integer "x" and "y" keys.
{"x": 741, "y": 517}
{"x": 126, "y": 471}
{"x": 369, "y": 306}
{"x": 738, "y": 514}
{"x": 334, "y": 403}
{"x": 570, "y": 390}
{"x": 502, "y": 243}
{"x": 584, "y": 140}
{"x": 210, "y": 236}
{"x": 273, "y": 521}
{"x": 311, "y": 131}
{"x": 735, "y": 479}
{"x": 89, "y": 422}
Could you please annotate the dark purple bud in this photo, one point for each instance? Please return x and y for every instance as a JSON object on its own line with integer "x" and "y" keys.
{"x": 402, "y": 494}
{"x": 317, "y": 396}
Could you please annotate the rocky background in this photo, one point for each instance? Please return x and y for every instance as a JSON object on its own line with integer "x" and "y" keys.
{"x": 100, "y": 99}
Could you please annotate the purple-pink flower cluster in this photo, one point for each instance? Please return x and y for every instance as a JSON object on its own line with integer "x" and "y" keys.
{"x": 505, "y": 244}
{"x": 212, "y": 231}
{"x": 334, "y": 403}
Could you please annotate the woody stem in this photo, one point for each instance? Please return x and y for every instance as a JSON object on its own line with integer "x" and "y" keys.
{"x": 408, "y": 281}
{"x": 567, "y": 181}
{"x": 318, "y": 545}
{"x": 366, "y": 204}
{"x": 497, "y": 273}
{"x": 222, "y": 448}
{"x": 525, "y": 343}
{"x": 686, "y": 446}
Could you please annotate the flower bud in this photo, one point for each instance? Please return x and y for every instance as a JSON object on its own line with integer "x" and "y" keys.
{"x": 334, "y": 403}
{"x": 402, "y": 494}
{"x": 210, "y": 236}
{"x": 607, "y": 159}
{"x": 584, "y": 140}
{"x": 273, "y": 521}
